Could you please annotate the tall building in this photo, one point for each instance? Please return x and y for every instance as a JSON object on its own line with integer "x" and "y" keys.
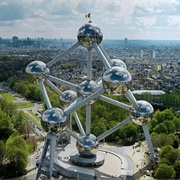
{"x": 141, "y": 53}
{"x": 15, "y": 41}
{"x": 153, "y": 55}
{"x": 125, "y": 41}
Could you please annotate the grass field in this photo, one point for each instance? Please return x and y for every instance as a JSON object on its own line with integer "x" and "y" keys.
{"x": 35, "y": 116}
{"x": 23, "y": 104}
{"x": 35, "y": 119}
{"x": 7, "y": 96}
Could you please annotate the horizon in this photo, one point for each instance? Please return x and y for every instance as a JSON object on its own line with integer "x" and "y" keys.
{"x": 74, "y": 39}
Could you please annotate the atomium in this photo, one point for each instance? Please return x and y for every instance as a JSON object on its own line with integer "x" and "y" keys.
{"x": 116, "y": 78}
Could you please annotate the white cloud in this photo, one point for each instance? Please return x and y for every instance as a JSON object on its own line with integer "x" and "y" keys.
{"x": 63, "y": 18}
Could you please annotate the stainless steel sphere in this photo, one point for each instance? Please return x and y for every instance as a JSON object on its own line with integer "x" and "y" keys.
{"x": 118, "y": 62}
{"x": 116, "y": 79}
{"x": 143, "y": 114}
{"x": 88, "y": 87}
{"x": 88, "y": 34}
{"x": 89, "y": 147}
{"x": 53, "y": 120}
{"x": 69, "y": 97}
{"x": 36, "y": 70}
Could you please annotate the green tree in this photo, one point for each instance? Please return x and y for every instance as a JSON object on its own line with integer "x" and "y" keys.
{"x": 131, "y": 130}
{"x": 160, "y": 128}
{"x": 17, "y": 154}
{"x": 98, "y": 127}
{"x": 2, "y": 154}
{"x": 18, "y": 119}
{"x": 177, "y": 168}
{"x": 165, "y": 171}
{"x": 5, "y": 124}
{"x": 165, "y": 150}
{"x": 176, "y": 122}
{"x": 170, "y": 126}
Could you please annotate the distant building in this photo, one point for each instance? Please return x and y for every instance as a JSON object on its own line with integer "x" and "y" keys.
{"x": 15, "y": 41}
{"x": 141, "y": 53}
{"x": 153, "y": 55}
{"x": 126, "y": 40}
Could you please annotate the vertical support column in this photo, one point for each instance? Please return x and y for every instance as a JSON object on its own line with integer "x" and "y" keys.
{"x": 149, "y": 142}
{"x": 89, "y": 64}
{"x": 88, "y": 119}
{"x": 50, "y": 141}
{"x": 52, "y": 150}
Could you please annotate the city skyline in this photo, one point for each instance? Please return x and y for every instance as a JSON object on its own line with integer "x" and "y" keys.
{"x": 118, "y": 19}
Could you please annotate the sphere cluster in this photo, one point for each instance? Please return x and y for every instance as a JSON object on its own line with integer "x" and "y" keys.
{"x": 115, "y": 79}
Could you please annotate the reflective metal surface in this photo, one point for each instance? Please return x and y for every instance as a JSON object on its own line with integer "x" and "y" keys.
{"x": 70, "y": 96}
{"x": 88, "y": 34}
{"x": 89, "y": 147}
{"x": 118, "y": 62}
{"x": 116, "y": 79}
{"x": 88, "y": 87}
{"x": 143, "y": 114}
{"x": 53, "y": 120}
{"x": 36, "y": 70}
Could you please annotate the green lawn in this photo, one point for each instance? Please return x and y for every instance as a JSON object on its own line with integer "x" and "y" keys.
{"x": 7, "y": 96}
{"x": 23, "y": 104}
{"x": 35, "y": 116}
{"x": 35, "y": 120}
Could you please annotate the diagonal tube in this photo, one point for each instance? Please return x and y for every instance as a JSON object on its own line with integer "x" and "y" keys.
{"x": 114, "y": 102}
{"x": 62, "y": 55}
{"x": 115, "y": 128}
{"x": 148, "y": 140}
{"x": 102, "y": 56}
{"x": 60, "y": 81}
{"x": 73, "y": 134}
{"x": 78, "y": 123}
{"x": 88, "y": 119}
{"x": 107, "y": 57}
{"x": 79, "y": 104}
{"x": 43, "y": 90}
{"x": 132, "y": 99}
{"x": 50, "y": 84}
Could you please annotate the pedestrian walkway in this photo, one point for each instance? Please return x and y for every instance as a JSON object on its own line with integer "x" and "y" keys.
{"x": 141, "y": 162}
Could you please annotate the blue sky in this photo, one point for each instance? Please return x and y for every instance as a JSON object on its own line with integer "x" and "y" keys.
{"x": 134, "y": 19}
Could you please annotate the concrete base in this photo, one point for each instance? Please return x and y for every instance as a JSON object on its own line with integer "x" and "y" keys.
{"x": 95, "y": 161}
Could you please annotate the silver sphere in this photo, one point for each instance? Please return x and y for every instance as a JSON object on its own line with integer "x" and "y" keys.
{"x": 118, "y": 62}
{"x": 88, "y": 87}
{"x": 69, "y": 97}
{"x": 53, "y": 120}
{"x": 116, "y": 79}
{"x": 143, "y": 114}
{"x": 89, "y": 147}
{"x": 88, "y": 34}
{"x": 36, "y": 70}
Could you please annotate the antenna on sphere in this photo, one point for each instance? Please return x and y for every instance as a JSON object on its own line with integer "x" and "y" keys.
{"x": 88, "y": 16}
